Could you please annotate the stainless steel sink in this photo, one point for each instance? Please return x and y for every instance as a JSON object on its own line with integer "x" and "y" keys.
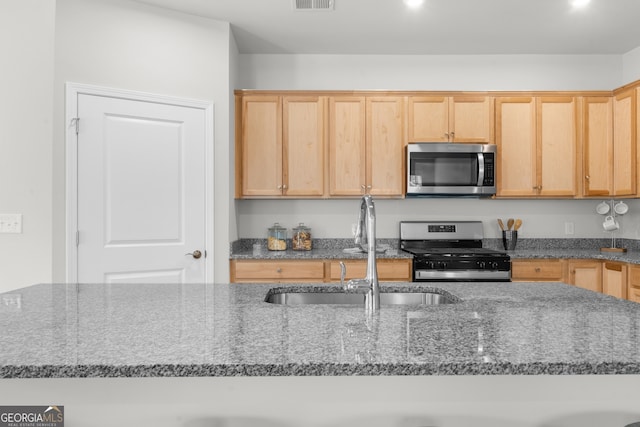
{"x": 386, "y": 298}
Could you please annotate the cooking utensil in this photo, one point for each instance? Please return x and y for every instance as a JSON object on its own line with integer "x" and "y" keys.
{"x": 517, "y": 224}
{"x": 501, "y": 224}
{"x": 510, "y": 224}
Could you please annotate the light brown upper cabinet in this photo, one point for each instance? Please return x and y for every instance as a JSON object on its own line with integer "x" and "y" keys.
{"x": 282, "y": 146}
{"x": 464, "y": 119}
{"x": 597, "y": 146}
{"x": 624, "y": 143}
{"x": 366, "y": 146}
{"x": 537, "y": 146}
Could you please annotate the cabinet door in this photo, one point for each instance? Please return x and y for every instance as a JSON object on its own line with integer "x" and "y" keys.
{"x": 557, "y": 146}
{"x": 585, "y": 274}
{"x": 303, "y": 146}
{"x": 428, "y": 119}
{"x": 516, "y": 139}
{"x": 633, "y": 288}
{"x": 385, "y": 146}
{"x": 624, "y": 144}
{"x": 347, "y": 149}
{"x": 598, "y": 146}
{"x": 614, "y": 279}
{"x": 261, "y": 146}
{"x": 471, "y": 119}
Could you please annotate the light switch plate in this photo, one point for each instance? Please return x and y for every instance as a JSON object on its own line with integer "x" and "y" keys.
{"x": 11, "y": 223}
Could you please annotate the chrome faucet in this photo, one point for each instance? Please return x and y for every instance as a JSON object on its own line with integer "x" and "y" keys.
{"x": 366, "y": 238}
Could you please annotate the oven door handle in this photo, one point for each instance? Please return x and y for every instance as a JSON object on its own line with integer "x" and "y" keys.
{"x": 480, "y": 169}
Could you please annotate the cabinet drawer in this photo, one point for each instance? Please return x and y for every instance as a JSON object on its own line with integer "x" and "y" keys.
{"x": 388, "y": 269}
{"x": 265, "y": 270}
{"x": 536, "y": 270}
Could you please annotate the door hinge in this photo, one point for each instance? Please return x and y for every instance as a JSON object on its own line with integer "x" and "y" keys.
{"x": 77, "y": 238}
{"x": 75, "y": 122}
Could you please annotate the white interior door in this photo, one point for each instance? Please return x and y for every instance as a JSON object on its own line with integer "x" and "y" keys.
{"x": 141, "y": 191}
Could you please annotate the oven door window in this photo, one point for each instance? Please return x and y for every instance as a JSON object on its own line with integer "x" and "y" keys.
{"x": 443, "y": 169}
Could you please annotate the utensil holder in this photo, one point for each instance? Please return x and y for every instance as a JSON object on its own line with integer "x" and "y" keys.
{"x": 509, "y": 239}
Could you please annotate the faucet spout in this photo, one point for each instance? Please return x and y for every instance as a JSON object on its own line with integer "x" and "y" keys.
{"x": 366, "y": 238}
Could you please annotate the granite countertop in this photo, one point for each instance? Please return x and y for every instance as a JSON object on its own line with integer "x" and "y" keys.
{"x": 529, "y": 249}
{"x": 150, "y": 330}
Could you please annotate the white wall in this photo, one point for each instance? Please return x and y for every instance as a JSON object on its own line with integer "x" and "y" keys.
{"x": 437, "y": 72}
{"x": 631, "y": 65}
{"x": 333, "y": 219}
{"x": 26, "y": 100}
{"x": 127, "y": 45}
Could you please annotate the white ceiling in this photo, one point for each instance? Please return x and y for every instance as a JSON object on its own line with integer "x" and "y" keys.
{"x": 439, "y": 27}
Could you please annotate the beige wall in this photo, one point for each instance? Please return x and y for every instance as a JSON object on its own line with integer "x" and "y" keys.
{"x": 26, "y": 100}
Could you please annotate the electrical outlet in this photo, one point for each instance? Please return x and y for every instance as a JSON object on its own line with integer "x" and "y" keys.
{"x": 10, "y": 223}
{"x": 568, "y": 228}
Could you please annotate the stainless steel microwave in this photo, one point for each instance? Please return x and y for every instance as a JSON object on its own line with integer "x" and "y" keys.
{"x": 441, "y": 169}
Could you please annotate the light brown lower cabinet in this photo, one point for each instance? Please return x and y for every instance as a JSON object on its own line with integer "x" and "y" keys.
{"x": 388, "y": 269}
{"x": 614, "y": 279}
{"x": 633, "y": 288}
{"x": 314, "y": 271}
{"x": 537, "y": 270}
{"x": 276, "y": 271}
{"x": 585, "y": 274}
{"x": 617, "y": 279}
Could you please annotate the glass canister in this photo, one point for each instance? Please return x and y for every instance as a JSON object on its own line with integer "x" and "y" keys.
{"x": 277, "y": 240}
{"x": 301, "y": 240}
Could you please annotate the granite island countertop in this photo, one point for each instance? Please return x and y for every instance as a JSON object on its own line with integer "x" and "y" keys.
{"x": 151, "y": 330}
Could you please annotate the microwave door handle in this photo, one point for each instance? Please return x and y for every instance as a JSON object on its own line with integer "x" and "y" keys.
{"x": 480, "y": 169}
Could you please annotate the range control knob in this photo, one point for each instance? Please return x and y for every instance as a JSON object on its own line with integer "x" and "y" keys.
{"x": 482, "y": 265}
{"x": 494, "y": 265}
{"x": 442, "y": 265}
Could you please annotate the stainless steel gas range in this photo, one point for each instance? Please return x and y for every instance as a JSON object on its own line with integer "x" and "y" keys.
{"x": 452, "y": 251}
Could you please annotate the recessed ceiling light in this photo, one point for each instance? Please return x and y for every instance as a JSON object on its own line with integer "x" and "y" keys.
{"x": 579, "y": 3}
{"x": 413, "y": 4}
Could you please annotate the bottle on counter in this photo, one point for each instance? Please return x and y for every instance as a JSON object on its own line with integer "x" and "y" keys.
{"x": 301, "y": 240}
{"x": 277, "y": 239}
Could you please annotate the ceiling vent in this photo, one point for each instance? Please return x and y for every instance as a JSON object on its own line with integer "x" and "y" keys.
{"x": 325, "y": 5}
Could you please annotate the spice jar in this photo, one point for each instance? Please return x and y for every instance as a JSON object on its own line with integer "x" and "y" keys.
{"x": 301, "y": 240}
{"x": 277, "y": 240}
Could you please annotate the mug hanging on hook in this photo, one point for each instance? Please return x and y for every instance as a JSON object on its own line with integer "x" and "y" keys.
{"x": 603, "y": 208}
{"x": 621, "y": 208}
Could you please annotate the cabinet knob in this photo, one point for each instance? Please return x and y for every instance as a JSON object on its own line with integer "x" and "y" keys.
{"x": 278, "y": 270}
{"x": 537, "y": 269}
{"x": 587, "y": 177}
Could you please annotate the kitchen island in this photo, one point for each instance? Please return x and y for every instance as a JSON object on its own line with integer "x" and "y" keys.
{"x": 534, "y": 353}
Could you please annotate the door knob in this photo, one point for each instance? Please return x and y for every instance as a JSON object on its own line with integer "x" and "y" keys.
{"x": 196, "y": 254}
